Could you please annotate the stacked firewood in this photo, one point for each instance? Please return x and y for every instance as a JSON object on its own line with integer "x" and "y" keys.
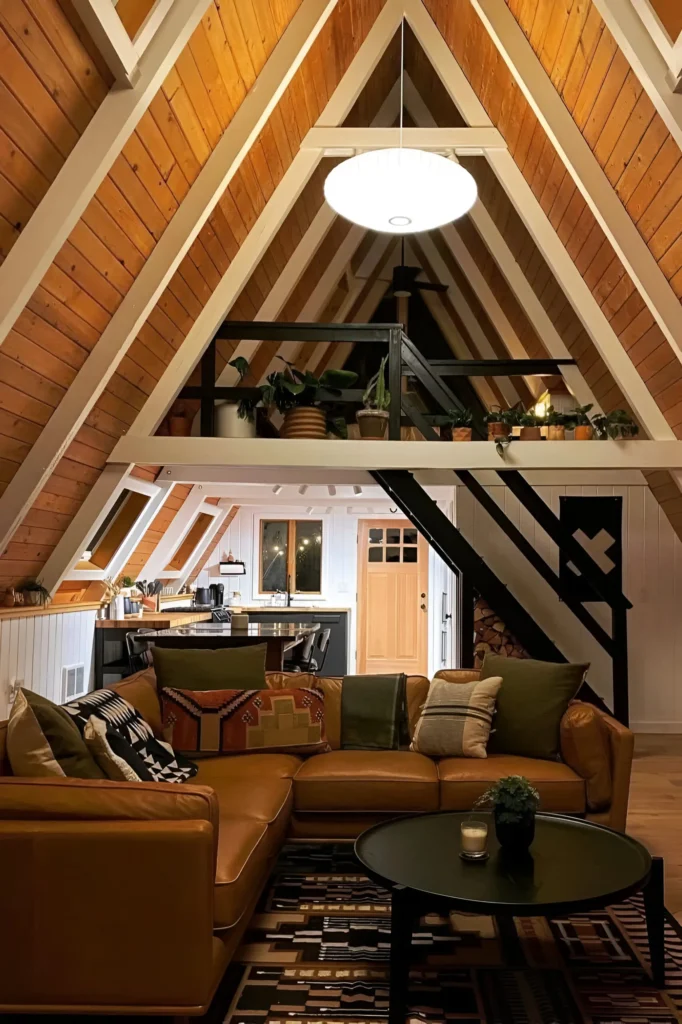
{"x": 491, "y": 635}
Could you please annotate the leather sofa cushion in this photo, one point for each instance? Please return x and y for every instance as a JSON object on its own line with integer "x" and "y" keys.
{"x": 251, "y": 798}
{"x": 463, "y": 780}
{"x": 245, "y": 850}
{"x": 585, "y": 747}
{"x": 367, "y": 780}
{"x": 249, "y": 766}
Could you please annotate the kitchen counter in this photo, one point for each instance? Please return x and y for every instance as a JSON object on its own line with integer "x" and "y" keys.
{"x": 306, "y": 609}
{"x": 155, "y": 620}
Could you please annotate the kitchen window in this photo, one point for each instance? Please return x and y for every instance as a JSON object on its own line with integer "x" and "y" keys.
{"x": 290, "y": 556}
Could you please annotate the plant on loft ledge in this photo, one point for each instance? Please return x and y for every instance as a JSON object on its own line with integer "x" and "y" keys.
{"x": 296, "y": 394}
{"x": 579, "y": 419}
{"x": 373, "y": 418}
{"x": 460, "y": 420}
{"x": 237, "y": 419}
{"x": 616, "y": 425}
{"x": 498, "y": 422}
{"x": 179, "y": 420}
{"x": 34, "y": 592}
{"x": 531, "y": 426}
{"x": 514, "y": 803}
{"x": 556, "y": 424}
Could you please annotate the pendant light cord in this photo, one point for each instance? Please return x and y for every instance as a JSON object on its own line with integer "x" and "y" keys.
{"x": 402, "y": 77}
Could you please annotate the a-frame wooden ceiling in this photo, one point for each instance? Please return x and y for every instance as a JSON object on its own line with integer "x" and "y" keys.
{"x": 205, "y": 200}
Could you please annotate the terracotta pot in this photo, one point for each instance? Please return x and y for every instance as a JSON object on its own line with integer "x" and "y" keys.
{"x": 373, "y": 423}
{"x": 496, "y": 430}
{"x": 461, "y": 433}
{"x": 179, "y": 426}
{"x": 304, "y": 422}
{"x": 584, "y": 432}
{"x": 556, "y": 433}
{"x": 531, "y": 434}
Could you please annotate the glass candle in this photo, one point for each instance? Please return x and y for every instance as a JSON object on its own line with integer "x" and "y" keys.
{"x": 474, "y": 838}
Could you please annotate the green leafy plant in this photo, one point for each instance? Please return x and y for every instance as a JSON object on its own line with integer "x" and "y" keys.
{"x": 33, "y": 586}
{"x": 377, "y": 396}
{"x": 512, "y": 799}
{"x": 241, "y": 365}
{"x": 579, "y": 417}
{"x": 531, "y": 419}
{"x": 126, "y": 582}
{"x": 496, "y": 415}
{"x": 556, "y": 419}
{"x": 292, "y": 388}
{"x": 460, "y": 418}
{"x": 615, "y": 425}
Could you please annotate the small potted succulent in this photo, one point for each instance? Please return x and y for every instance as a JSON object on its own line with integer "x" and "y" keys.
{"x": 373, "y": 418}
{"x": 34, "y": 592}
{"x": 296, "y": 394}
{"x": 514, "y": 803}
{"x": 580, "y": 420}
{"x": 616, "y": 426}
{"x": 498, "y": 422}
{"x": 237, "y": 419}
{"x": 556, "y": 424}
{"x": 531, "y": 426}
{"x": 460, "y": 420}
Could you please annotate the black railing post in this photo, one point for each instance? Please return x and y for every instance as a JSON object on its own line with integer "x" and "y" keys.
{"x": 395, "y": 382}
{"x": 465, "y": 620}
{"x": 208, "y": 376}
{"x": 621, "y": 692}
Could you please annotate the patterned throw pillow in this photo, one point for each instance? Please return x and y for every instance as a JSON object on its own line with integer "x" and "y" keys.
{"x": 243, "y": 721}
{"x": 129, "y": 737}
{"x": 457, "y": 718}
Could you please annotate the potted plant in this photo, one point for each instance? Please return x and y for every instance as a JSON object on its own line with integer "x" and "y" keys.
{"x": 179, "y": 420}
{"x": 580, "y": 421}
{"x": 237, "y": 419}
{"x": 514, "y": 802}
{"x": 616, "y": 425}
{"x": 34, "y": 592}
{"x": 531, "y": 426}
{"x": 373, "y": 419}
{"x": 296, "y": 394}
{"x": 499, "y": 423}
{"x": 460, "y": 420}
{"x": 556, "y": 424}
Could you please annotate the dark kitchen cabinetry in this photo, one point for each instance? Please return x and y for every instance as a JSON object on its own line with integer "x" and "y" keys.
{"x": 336, "y": 663}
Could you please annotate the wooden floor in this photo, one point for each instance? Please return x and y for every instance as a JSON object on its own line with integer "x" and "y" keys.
{"x": 655, "y": 814}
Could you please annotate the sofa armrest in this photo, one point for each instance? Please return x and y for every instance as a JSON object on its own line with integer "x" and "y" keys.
{"x": 106, "y": 914}
{"x": 458, "y": 675}
{"x": 64, "y": 799}
{"x": 622, "y": 747}
{"x": 599, "y": 749}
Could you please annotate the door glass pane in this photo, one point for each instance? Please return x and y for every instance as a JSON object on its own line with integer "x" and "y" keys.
{"x": 393, "y": 535}
{"x": 273, "y": 555}
{"x": 375, "y": 555}
{"x": 376, "y": 535}
{"x": 308, "y": 556}
{"x": 409, "y": 536}
{"x": 392, "y": 554}
{"x": 410, "y": 554}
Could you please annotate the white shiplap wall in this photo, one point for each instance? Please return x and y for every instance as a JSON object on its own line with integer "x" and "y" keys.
{"x": 35, "y": 648}
{"x": 652, "y": 580}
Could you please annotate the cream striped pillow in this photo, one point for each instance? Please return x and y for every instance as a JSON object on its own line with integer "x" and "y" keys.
{"x": 457, "y": 718}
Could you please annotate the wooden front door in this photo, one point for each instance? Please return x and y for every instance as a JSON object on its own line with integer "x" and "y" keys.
{"x": 393, "y": 575}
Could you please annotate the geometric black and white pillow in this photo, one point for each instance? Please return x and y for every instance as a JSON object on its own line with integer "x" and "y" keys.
{"x": 151, "y": 759}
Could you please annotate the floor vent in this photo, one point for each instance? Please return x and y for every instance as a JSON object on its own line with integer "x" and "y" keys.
{"x": 73, "y": 682}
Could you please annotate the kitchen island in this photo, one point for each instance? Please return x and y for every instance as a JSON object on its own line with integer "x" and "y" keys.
{"x": 279, "y": 637}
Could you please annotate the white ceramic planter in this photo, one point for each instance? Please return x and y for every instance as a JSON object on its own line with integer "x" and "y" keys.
{"x": 229, "y": 424}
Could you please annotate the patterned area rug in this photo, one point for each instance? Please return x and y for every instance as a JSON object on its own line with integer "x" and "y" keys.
{"x": 317, "y": 952}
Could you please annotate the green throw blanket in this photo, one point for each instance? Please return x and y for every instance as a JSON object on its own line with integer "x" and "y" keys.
{"x": 374, "y": 713}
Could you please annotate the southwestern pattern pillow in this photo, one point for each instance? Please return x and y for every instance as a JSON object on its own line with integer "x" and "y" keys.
{"x": 130, "y": 737}
{"x": 457, "y": 718}
{"x": 244, "y": 721}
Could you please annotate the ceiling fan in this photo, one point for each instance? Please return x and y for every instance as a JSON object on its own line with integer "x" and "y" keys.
{"x": 404, "y": 281}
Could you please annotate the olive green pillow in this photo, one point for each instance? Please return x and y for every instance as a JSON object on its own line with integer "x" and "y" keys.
{"x": 228, "y": 668}
{"x": 531, "y": 703}
{"x": 43, "y": 741}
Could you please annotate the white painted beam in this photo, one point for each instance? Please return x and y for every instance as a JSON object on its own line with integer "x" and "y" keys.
{"x": 88, "y": 163}
{"x": 346, "y": 141}
{"x": 194, "y": 505}
{"x": 110, "y": 38}
{"x": 159, "y": 268}
{"x": 583, "y": 167}
{"x": 645, "y": 59}
{"x": 206, "y": 541}
{"x": 413, "y": 455}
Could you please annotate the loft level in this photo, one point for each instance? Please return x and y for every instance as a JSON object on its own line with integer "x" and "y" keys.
{"x": 412, "y": 455}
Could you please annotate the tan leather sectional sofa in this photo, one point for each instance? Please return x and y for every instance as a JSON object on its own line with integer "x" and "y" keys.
{"x": 132, "y": 897}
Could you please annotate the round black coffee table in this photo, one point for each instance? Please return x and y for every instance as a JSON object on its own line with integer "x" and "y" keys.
{"x": 573, "y": 866}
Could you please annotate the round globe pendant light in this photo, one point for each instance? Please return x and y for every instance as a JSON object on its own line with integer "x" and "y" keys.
{"x": 400, "y": 191}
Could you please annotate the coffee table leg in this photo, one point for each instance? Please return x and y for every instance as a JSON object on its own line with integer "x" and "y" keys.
{"x": 655, "y": 920}
{"x": 401, "y": 949}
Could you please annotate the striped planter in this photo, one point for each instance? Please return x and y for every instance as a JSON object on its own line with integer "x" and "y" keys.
{"x": 304, "y": 422}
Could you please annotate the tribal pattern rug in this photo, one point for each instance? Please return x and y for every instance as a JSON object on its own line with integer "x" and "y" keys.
{"x": 317, "y": 952}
